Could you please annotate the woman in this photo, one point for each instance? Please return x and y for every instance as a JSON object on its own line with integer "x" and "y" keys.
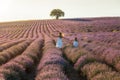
{"x": 59, "y": 42}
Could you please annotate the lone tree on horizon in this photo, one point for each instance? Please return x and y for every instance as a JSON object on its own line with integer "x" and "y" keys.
{"x": 57, "y": 13}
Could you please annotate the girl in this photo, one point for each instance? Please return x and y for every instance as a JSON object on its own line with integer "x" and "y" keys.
{"x": 75, "y": 42}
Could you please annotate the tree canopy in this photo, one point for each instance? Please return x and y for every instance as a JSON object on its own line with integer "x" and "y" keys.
{"x": 57, "y": 13}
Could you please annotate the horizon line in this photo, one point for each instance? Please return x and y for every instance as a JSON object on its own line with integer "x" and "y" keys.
{"x": 20, "y": 20}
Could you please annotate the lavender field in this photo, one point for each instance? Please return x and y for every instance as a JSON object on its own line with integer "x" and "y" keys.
{"x": 28, "y": 52}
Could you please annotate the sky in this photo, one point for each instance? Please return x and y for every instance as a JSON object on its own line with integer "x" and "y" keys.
{"x": 12, "y": 10}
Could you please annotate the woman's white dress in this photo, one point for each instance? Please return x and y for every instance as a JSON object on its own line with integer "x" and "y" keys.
{"x": 59, "y": 43}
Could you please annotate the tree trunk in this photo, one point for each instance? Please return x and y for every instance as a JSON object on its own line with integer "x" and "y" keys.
{"x": 57, "y": 17}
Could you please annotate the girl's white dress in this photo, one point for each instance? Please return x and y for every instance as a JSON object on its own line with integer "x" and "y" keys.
{"x": 59, "y": 43}
{"x": 75, "y": 44}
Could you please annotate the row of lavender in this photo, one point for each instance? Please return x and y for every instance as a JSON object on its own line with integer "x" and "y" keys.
{"x": 17, "y": 30}
{"x": 19, "y": 67}
{"x": 13, "y": 51}
{"x": 98, "y": 25}
{"x": 108, "y": 55}
{"x": 95, "y": 61}
{"x": 52, "y": 64}
{"x": 107, "y": 39}
{"x": 27, "y": 29}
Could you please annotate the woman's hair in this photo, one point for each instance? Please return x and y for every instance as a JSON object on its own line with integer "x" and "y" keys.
{"x": 60, "y": 35}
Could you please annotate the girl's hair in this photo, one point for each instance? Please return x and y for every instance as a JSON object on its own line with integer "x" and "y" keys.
{"x": 76, "y": 39}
